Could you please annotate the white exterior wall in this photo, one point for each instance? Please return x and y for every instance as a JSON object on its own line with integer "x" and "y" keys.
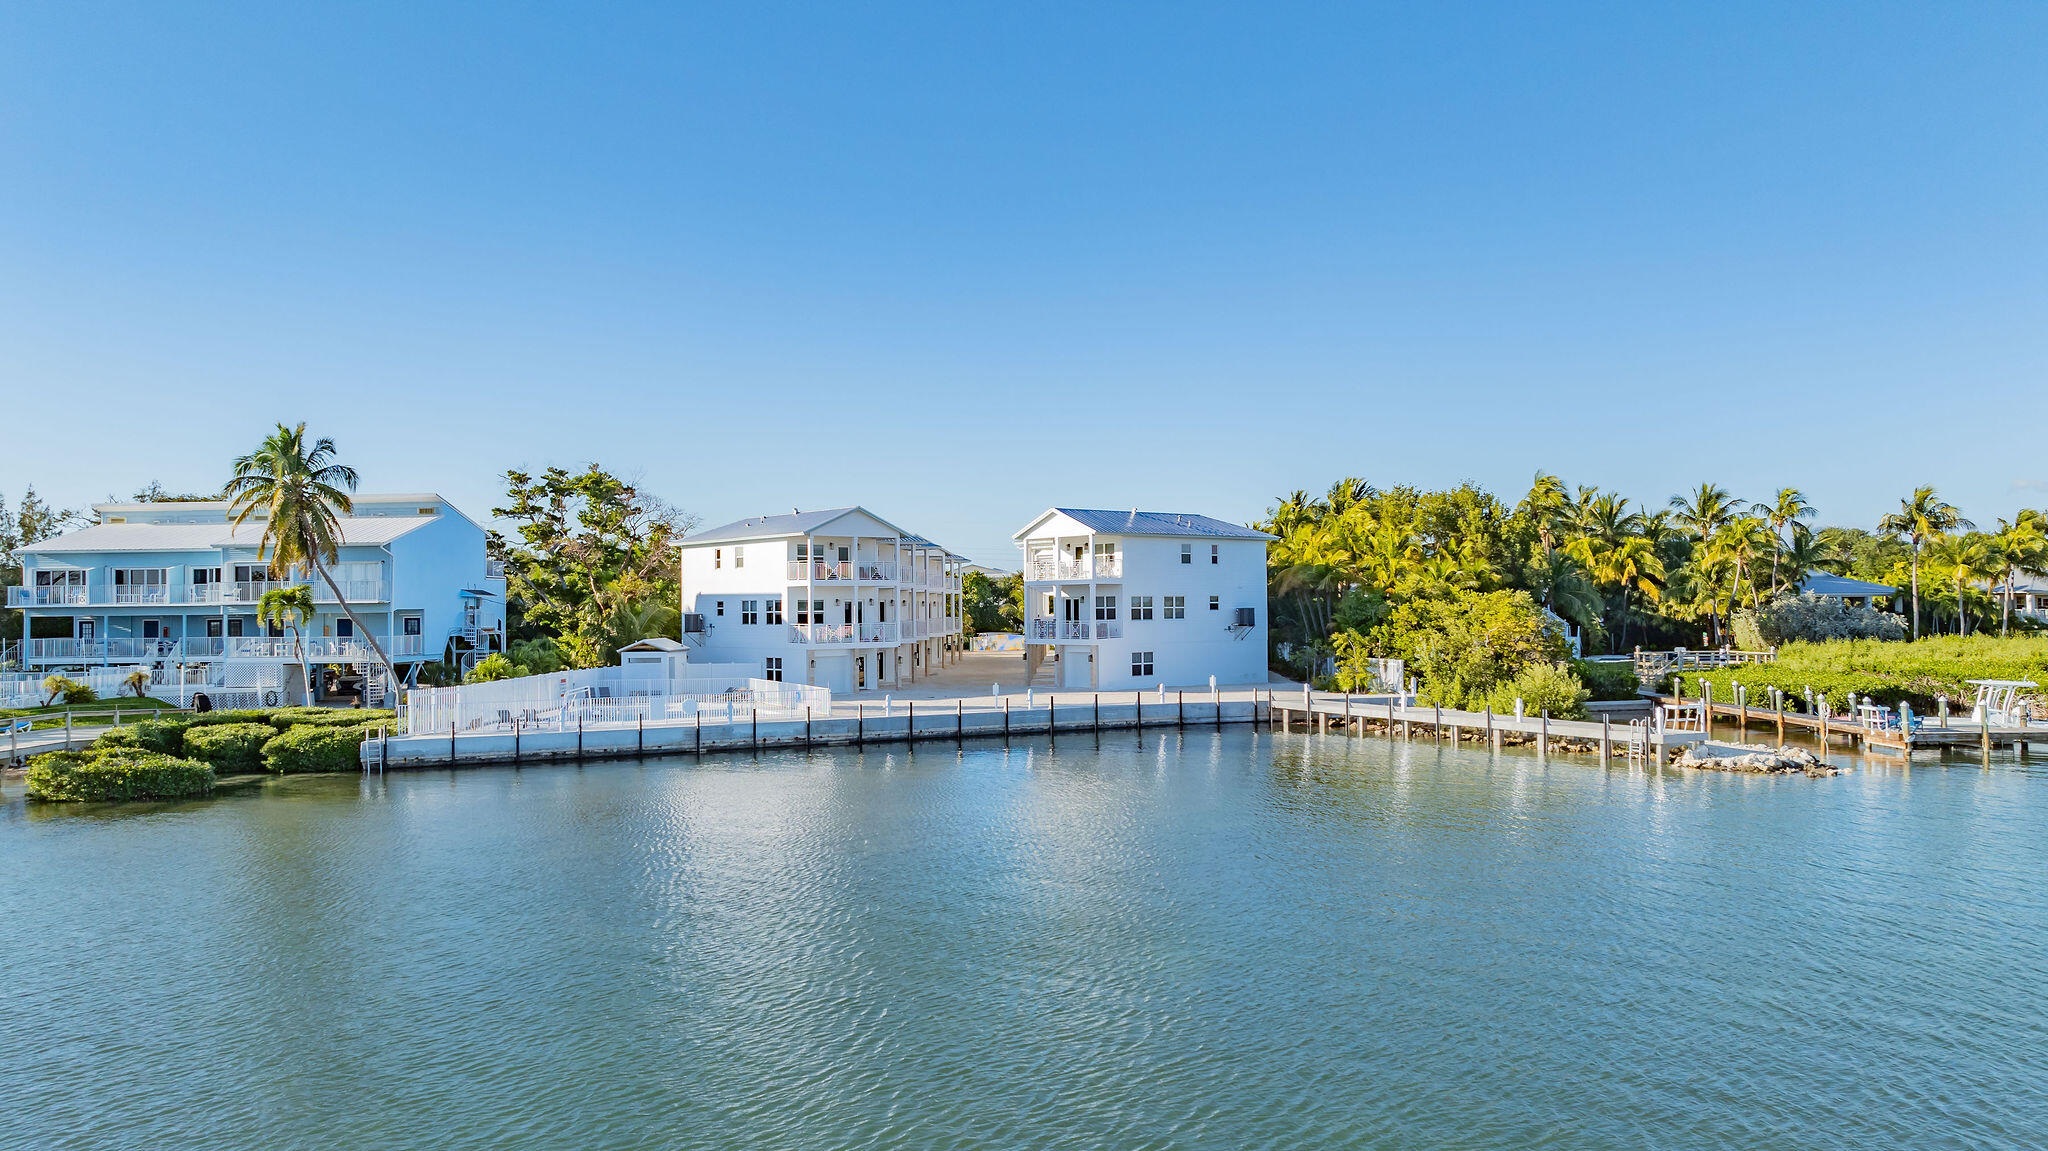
{"x": 1185, "y": 652}
{"x": 722, "y": 576}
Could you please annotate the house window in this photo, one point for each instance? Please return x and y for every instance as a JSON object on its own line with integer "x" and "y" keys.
{"x": 739, "y": 557}
{"x": 205, "y": 576}
{"x": 345, "y": 628}
{"x": 412, "y": 624}
{"x": 1215, "y": 551}
{"x": 1187, "y": 553}
{"x": 1141, "y": 607}
{"x": 235, "y": 628}
{"x": 750, "y": 611}
{"x": 718, "y": 608}
{"x": 1176, "y": 607}
{"x": 1215, "y": 603}
{"x": 771, "y": 669}
{"x": 775, "y": 610}
{"x": 1141, "y": 663}
{"x": 810, "y": 611}
{"x": 717, "y": 557}
{"x": 1105, "y": 607}
{"x": 1105, "y": 553}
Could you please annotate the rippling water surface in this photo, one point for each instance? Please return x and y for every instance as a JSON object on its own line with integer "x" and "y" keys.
{"x": 1214, "y": 940}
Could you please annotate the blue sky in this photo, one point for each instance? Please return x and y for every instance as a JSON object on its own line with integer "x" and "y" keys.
{"x": 959, "y": 262}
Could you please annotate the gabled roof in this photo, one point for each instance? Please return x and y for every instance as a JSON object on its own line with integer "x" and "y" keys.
{"x": 653, "y": 643}
{"x": 356, "y": 531}
{"x": 782, "y": 526}
{"x": 1137, "y": 523}
{"x": 1827, "y": 583}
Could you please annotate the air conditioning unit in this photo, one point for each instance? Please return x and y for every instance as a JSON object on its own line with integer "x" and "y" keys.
{"x": 1246, "y": 617}
{"x": 693, "y": 623}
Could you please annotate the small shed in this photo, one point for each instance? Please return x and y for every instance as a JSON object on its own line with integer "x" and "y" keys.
{"x": 656, "y": 657}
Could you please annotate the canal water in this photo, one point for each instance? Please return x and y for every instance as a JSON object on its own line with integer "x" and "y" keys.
{"x": 1213, "y": 940}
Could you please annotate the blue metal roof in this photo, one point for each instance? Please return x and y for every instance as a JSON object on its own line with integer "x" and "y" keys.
{"x": 1137, "y": 523}
{"x": 1827, "y": 583}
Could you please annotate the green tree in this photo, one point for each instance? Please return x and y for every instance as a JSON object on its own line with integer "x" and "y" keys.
{"x": 2020, "y": 547}
{"x": 993, "y": 604}
{"x": 289, "y": 608}
{"x": 301, "y": 493}
{"x": 589, "y": 544}
{"x": 1786, "y": 511}
{"x": 1921, "y": 516}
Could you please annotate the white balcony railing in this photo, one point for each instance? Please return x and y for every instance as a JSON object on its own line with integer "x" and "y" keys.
{"x": 819, "y": 571}
{"x": 1042, "y": 629}
{"x": 1109, "y": 629}
{"x": 319, "y": 649}
{"x": 58, "y": 596}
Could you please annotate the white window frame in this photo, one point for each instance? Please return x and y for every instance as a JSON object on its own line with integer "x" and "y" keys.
{"x": 1141, "y": 607}
{"x": 1215, "y": 553}
{"x": 739, "y": 557}
{"x": 1141, "y": 665}
{"x": 1215, "y": 603}
{"x": 1173, "y": 607}
{"x": 1105, "y": 604}
{"x": 750, "y": 612}
{"x": 771, "y": 611}
{"x": 1187, "y": 553}
{"x": 771, "y": 668}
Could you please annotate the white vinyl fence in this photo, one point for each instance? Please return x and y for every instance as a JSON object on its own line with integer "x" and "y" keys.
{"x": 25, "y": 689}
{"x": 608, "y": 696}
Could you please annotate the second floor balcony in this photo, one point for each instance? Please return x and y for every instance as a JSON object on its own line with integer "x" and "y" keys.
{"x": 1044, "y": 630}
{"x": 1046, "y": 568}
{"x": 188, "y": 595}
{"x": 137, "y": 649}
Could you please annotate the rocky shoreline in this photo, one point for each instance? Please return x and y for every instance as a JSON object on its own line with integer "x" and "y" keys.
{"x": 1756, "y": 759}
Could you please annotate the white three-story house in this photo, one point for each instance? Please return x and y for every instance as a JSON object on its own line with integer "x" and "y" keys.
{"x": 838, "y": 598}
{"x": 173, "y": 586}
{"x": 1125, "y": 600}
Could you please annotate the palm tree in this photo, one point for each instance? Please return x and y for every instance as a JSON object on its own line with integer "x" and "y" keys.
{"x": 1920, "y": 517}
{"x": 1781, "y": 513}
{"x": 136, "y": 681}
{"x": 1703, "y": 513}
{"x": 1547, "y": 506}
{"x": 2020, "y": 546}
{"x": 288, "y": 607}
{"x": 301, "y": 491}
{"x": 1806, "y": 551}
{"x": 1967, "y": 561}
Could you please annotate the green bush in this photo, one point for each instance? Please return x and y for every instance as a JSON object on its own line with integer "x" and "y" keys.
{"x": 285, "y": 719}
{"x": 230, "y": 715}
{"x": 1810, "y": 618}
{"x": 1920, "y": 673}
{"x": 115, "y": 774}
{"x": 80, "y": 693}
{"x": 315, "y": 748}
{"x": 1541, "y": 687}
{"x": 494, "y": 667}
{"x": 232, "y": 748}
{"x": 1608, "y": 680}
{"x": 162, "y": 736}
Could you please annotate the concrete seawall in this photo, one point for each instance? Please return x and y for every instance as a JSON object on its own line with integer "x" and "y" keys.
{"x": 472, "y": 749}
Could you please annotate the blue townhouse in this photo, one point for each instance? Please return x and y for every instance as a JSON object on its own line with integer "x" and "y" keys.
{"x": 173, "y": 587}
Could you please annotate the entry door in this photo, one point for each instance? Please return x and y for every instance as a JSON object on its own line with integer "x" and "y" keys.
{"x": 860, "y": 672}
{"x": 213, "y": 629}
{"x": 1073, "y": 608}
{"x": 152, "y": 629}
{"x": 85, "y": 627}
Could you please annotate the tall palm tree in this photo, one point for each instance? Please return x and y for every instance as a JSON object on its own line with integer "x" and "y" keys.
{"x": 1548, "y": 506}
{"x": 1783, "y": 512}
{"x": 2020, "y": 547}
{"x": 302, "y": 494}
{"x": 1703, "y": 512}
{"x": 1806, "y": 550}
{"x": 1966, "y": 561}
{"x": 288, "y": 608}
{"x": 1921, "y": 516}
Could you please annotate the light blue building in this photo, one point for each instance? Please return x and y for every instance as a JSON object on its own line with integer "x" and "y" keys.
{"x": 172, "y": 587}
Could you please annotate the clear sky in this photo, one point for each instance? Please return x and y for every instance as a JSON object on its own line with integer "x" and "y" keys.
{"x": 959, "y": 262}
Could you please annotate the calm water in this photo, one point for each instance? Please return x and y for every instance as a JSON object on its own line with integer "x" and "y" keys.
{"x": 1244, "y": 940}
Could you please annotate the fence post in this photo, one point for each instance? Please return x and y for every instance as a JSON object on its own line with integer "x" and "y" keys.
{"x": 579, "y": 737}
{"x": 959, "y": 721}
{"x": 451, "y": 743}
{"x": 807, "y": 725}
{"x": 640, "y": 738}
{"x": 1006, "y": 719}
{"x": 860, "y": 723}
{"x": 754, "y": 722}
{"x": 1097, "y": 704}
{"x": 1543, "y": 737}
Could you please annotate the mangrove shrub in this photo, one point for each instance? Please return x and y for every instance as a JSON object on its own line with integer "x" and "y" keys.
{"x": 115, "y": 774}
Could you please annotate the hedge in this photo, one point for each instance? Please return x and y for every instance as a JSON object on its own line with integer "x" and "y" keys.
{"x": 1608, "y": 680}
{"x": 162, "y": 736}
{"x": 316, "y": 748}
{"x": 115, "y": 774}
{"x": 232, "y": 748}
{"x": 287, "y": 718}
{"x": 1921, "y": 673}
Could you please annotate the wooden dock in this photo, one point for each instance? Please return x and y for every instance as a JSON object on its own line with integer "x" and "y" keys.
{"x": 1358, "y": 714}
{"x": 1933, "y": 733}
